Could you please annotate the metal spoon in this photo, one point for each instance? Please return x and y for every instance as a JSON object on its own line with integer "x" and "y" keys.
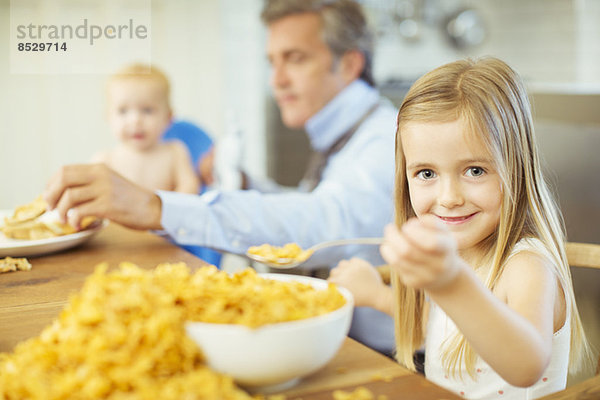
{"x": 287, "y": 262}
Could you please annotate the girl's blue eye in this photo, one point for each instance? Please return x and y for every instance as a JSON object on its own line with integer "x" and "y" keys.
{"x": 475, "y": 171}
{"x": 426, "y": 174}
{"x": 147, "y": 110}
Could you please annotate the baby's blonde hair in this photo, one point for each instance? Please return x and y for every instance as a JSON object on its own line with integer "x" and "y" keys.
{"x": 143, "y": 72}
{"x": 492, "y": 101}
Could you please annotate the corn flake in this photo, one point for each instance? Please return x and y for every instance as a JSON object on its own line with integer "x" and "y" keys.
{"x": 289, "y": 253}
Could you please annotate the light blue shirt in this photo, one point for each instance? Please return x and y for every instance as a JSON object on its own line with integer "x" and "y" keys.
{"x": 353, "y": 199}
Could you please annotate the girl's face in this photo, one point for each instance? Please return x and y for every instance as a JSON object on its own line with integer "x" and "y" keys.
{"x": 451, "y": 176}
{"x": 138, "y": 113}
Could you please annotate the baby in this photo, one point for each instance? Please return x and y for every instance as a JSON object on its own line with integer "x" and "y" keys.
{"x": 138, "y": 114}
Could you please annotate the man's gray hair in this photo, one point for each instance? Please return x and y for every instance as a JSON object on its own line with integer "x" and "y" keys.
{"x": 344, "y": 26}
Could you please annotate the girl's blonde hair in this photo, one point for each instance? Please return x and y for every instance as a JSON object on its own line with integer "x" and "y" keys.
{"x": 493, "y": 103}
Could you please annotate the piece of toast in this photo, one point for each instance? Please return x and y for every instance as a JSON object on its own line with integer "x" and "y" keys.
{"x": 27, "y": 212}
{"x": 28, "y": 222}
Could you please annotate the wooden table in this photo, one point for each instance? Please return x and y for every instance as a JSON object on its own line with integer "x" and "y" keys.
{"x": 30, "y": 300}
{"x": 356, "y": 365}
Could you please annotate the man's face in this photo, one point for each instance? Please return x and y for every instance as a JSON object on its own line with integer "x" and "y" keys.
{"x": 303, "y": 77}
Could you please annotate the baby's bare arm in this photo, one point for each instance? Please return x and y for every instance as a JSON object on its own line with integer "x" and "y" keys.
{"x": 186, "y": 180}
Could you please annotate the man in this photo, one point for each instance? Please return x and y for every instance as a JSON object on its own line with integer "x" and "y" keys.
{"x": 320, "y": 53}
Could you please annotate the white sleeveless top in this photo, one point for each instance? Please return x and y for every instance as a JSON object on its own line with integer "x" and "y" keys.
{"x": 487, "y": 383}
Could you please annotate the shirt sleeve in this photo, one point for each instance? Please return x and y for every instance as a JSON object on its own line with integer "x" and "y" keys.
{"x": 354, "y": 199}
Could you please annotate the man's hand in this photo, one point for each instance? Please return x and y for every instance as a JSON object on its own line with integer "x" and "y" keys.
{"x": 96, "y": 190}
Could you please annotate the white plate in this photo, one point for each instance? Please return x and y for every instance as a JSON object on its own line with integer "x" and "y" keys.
{"x": 27, "y": 248}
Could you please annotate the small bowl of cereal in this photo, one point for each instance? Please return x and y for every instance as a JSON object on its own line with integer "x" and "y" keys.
{"x": 274, "y": 329}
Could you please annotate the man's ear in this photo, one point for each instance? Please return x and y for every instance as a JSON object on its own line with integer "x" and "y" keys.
{"x": 351, "y": 65}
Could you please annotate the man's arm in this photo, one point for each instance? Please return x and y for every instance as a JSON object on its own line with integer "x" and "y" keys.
{"x": 355, "y": 199}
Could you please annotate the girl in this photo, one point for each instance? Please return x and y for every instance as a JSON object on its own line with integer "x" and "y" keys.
{"x": 479, "y": 270}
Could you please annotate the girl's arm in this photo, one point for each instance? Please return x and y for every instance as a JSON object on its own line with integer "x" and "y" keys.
{"x": 513, "y": 334}
{"x": 365, "y": 284}
{"x": 513, "y": 337}
{"x": 186, "y": 180}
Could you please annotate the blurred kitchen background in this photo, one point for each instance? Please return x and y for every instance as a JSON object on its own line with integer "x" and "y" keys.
{"x": 213, "y": 52}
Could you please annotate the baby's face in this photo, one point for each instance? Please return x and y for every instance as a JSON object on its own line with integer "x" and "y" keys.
{"x": 138, "y": 112}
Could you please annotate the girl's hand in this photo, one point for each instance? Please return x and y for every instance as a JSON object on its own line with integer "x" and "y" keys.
{"x": 361, "y": 279}
{"x": 423, "y": 253}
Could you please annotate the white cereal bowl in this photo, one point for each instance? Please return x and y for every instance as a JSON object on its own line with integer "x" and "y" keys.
{"x": 274, "y": 356}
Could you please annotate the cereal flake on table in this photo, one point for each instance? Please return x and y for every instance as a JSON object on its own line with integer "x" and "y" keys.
{"x": 381, "y": 377}
{"x": 10, "y": 264}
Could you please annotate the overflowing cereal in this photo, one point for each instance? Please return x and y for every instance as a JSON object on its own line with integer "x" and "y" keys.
{"x": 122, "y": 335}
{"x": 246, "y": 298}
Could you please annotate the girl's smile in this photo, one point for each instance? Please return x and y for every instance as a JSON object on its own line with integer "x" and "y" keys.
{"x": 456, "y": 220}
